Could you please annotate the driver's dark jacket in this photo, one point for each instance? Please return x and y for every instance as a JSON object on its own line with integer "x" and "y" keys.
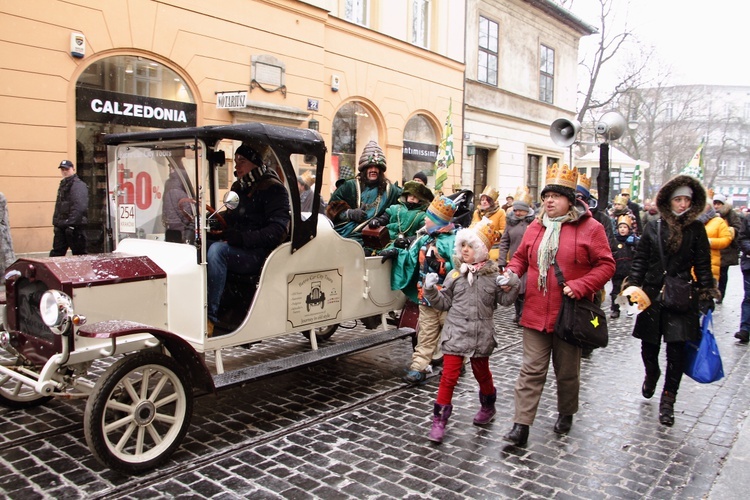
{"x": 262, "y": 217}
{"x": 72, "y": 205}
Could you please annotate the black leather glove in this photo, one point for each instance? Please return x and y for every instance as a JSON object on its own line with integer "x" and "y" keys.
{"x": 356, "y": 214}
{"x": 401, "y": 242}
{"x": 233, "y": 238}
{"x": 706, "y": 305}
{"x": 388, "y": 253}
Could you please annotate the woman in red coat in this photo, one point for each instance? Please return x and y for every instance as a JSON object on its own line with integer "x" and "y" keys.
{"x": 566, "y": 233}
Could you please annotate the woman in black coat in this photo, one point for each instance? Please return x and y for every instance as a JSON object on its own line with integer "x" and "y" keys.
{"x": 686, "y": 250}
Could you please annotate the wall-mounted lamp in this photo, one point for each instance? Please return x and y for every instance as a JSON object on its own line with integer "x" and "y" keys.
{"x": 471, "y": 150}
{"x": 313, "y": 124}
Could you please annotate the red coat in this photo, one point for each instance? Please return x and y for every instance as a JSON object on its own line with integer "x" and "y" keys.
{"x": 584, "y": 257}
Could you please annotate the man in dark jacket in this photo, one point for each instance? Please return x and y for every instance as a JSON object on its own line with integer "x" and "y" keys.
{"x": 744, "y": 245}
{"x": 71, "y": 213}
{"x": 729, "y": 255}
{"x": 635, "y": 208}
{"x": 258, "y": 225}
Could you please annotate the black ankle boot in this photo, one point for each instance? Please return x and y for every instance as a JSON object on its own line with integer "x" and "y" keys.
{"x": 666, "y": 409}
{"x": 563, "y": 424}
{"x": 518, "y": 435}
{"x": 649, "y": 385}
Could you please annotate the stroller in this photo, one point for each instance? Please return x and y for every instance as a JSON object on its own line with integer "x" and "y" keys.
{"x": 465, "y": 208}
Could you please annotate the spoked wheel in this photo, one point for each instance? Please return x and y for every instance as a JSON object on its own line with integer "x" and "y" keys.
{"x": 322, "y": 334}
{"x": 138, "y": 412}
{"x": 18, "y": 396}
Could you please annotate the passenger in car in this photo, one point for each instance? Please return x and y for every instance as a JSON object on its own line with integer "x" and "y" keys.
{"x": 258, "y": 225}
{"x": 405, "y": 218}
{"x": 358, "y": 200}
{"x": 176, "y": 209}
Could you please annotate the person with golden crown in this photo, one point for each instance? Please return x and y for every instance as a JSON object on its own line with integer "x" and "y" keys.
{"x": 489, "y": 208}
{"x": 564, "y": 234}
{"x": 470, "y": 294}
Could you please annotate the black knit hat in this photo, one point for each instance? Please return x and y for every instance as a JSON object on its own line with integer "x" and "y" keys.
{"x": 421, "y": 176}
{"x": 570, "y": 194}
{"x": 250, "y": 154}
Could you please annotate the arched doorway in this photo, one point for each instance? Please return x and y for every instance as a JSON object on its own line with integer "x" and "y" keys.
{"x": 353, "y": 127}
{"x": 116, "y": 94}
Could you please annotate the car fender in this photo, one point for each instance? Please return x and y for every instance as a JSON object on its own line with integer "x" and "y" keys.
{"x": 179, "y": 348}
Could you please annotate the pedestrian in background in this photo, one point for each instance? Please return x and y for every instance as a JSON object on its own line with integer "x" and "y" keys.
{"x": 518, "y": 220}
{"x": 71, "y": 213}
{"x": 635, "y": 209}
{"x": 470, "y": 294}
{"x": 743, "y": 335}
{"x": 489, "y": 208}
{"x": 623, "y": 251}
{"x": 719, "y": 236}
{"x": 685, "y": 247}
{"x": 564, "y": 233}
{"x": 7, "y": 256}
{"x": 731, "y": 254}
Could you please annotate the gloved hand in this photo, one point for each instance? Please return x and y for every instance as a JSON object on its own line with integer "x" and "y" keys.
{"x": 233, "y": 238}
{"x": 502, "y": 280}
{"x": 388, "y": 253}
{"x": 706, "y": 305}
{"x": 401, "y": 242}
{"x": 430, "y": 280}
{"x": 374, "y": 223}
{"x": 356, "y": 214}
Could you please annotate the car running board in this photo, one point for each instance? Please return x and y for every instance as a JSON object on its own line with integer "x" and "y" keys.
{"x": 289, "y": 363}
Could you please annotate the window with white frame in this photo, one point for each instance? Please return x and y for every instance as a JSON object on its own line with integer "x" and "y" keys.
{"x": 741, "y": 169}
{"x": 356, "y": 11}
{"x": 668, "y": 112}
{"x": 723, "y": 167}
{"x": 488, "y": 50}
{"x": 547, "y": 75}
{"x": 420, "y": 22}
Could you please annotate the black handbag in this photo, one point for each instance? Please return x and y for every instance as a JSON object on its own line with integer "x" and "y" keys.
{"x": 580, "y": 322}
{"x": 676, "y": 294}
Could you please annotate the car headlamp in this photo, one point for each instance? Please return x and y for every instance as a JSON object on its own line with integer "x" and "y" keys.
{"x": 56, "y": 309}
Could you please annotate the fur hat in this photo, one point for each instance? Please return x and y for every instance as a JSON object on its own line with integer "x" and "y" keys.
{"x": 441, "y": 211}
{"x": 250, "y": 154}
{"x": 372, "y": 155}
{"x": 663, "y": 204}
{"x": 480, "y": 236}
{"x": 419, "y": 191}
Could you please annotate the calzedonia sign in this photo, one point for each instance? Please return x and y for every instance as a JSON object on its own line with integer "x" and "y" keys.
{"x": 94, "y": 105}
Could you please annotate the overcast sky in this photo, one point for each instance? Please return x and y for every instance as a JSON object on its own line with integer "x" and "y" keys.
{"x": 705, "y": 41}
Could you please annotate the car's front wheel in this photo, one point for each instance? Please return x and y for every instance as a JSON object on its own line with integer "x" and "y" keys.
{"x": 138, "y": 412}
{"x": 18, "y": 396}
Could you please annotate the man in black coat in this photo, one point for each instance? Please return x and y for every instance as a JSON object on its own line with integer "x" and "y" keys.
{"x": 258, "y": 225}
{"x": 635, "y": 208}
{"x": 71, "y": 213}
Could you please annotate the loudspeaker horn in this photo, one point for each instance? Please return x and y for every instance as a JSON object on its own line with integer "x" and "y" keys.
{"x": 564, "y": 131}
{"x": 611, "y": 125}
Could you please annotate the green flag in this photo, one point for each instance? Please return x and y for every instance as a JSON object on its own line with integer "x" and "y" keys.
{"x": 635, "y": 184}
{"x": 445, "y": 156}
{"x": 695, "y": 165}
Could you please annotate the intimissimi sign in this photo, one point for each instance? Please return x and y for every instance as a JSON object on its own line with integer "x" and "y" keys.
{"x": 103, "y": 106}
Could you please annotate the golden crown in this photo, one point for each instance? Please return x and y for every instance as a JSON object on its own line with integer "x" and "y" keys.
{"x": 562, "y": 176}
{"x": 620, "y": 200}
{"x": 584, "y": 181}
{"x": 625, "y": 219}
{"x": 486, "y": 232}
{"x": 522, "y": 194}
{"x": 491, "y": 192}
{"x": 441, "y": 210}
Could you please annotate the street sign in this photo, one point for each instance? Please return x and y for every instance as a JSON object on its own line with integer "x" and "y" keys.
{"x": 231, "y": 100}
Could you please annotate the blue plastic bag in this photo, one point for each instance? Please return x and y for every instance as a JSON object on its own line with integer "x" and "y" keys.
{"x": 702, "y": 361}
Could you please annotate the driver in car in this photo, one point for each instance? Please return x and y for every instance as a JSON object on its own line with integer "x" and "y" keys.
{"x": 259, "y": 224}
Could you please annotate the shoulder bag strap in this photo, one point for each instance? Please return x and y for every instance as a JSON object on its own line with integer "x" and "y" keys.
{"x": 559, "y": 275}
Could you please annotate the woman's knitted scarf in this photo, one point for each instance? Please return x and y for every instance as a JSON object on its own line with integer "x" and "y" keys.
{"x": 549, "y": 245}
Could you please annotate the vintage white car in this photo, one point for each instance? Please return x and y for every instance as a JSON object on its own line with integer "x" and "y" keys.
{"x": 143, "y": 305}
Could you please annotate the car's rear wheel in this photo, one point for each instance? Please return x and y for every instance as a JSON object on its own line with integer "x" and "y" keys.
{"x": 138, "y": 412}
{"x": 18, "y": 396}
{"x": 322, "y": 334}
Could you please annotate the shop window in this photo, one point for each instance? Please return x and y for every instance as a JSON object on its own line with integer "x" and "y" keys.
{"x": 353, "y": 128}
{"x": 420, "y": 147}
{"x": 122, "y": 94}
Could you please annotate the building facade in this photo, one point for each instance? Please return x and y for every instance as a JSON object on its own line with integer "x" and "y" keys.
{"x": 521, "y": 75}
{"x": 357, "y": 70}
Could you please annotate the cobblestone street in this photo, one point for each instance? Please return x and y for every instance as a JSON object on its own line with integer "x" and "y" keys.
{"x": 351, "y": 428}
